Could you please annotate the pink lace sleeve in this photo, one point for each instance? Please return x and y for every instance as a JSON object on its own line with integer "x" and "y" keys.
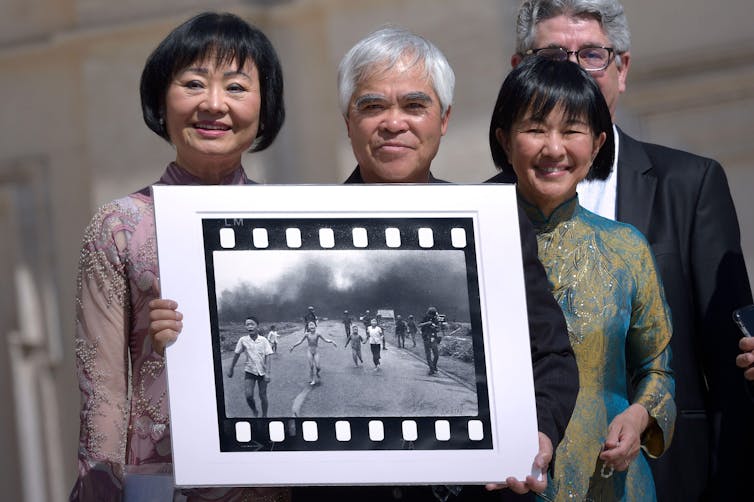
{"x": 101, "y": 344}
{"x": 124, "y": 426}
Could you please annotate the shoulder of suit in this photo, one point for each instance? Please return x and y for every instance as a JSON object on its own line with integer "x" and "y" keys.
{"x": 670, "y": 160}
{"x": 675, "y": 153}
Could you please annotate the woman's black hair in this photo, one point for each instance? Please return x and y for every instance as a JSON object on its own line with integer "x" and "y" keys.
{"x": 227, "y": 38}
{"x": 536, "y": 86}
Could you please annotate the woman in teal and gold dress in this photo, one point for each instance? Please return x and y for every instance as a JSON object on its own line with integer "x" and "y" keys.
{"x": 552, "y": 128}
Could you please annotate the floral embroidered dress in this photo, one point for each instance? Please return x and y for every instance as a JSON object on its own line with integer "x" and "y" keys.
{"x": 124, "y": 405}
{"x": 603, "y": 275}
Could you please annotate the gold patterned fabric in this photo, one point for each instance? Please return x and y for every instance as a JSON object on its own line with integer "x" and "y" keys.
{"x": 603, "y": 275}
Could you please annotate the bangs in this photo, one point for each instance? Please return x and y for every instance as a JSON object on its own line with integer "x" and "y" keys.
{"x": 576, "y": 106}
{"x": 218, "y": 50}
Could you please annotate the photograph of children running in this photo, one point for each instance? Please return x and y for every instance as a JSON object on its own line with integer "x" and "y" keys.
{"x": 340, "y": 285}
{"x": 375, "y": 338}
{"x": 312, "y": 338}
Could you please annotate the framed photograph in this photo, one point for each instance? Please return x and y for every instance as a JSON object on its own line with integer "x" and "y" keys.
{"x": 328, "y": 326}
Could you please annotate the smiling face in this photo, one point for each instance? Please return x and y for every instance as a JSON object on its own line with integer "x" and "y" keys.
{"x": 550, "y": 156}
{"x": 574, "y": 33}
{"x": 395, "y": 124}
{"x": 212, "y": 116}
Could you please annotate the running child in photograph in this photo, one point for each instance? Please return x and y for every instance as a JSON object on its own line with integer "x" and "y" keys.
{"x": 312, "y": 337}
{"x": 375, "y": 338}
{"x": 273, "y": 337}
{"x": 257, "y": 368}
{"x": 355, "y": 339}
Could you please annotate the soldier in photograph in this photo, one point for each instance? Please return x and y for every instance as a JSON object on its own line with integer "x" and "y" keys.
{"x": 310, "y": 316}
{"x": 412, "y": 329}
{"x": 347, "y": 321}
{"x": 400, "y": 331}
{"x": 430, "y": 325}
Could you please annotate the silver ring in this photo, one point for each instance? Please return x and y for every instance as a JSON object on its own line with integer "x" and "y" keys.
{"x": 606, "y": 474}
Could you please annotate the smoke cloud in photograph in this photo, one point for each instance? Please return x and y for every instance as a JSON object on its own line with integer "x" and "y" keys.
{"x": 280, "y": 284}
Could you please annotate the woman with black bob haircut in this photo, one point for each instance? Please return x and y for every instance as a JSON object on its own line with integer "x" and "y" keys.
{"x": 540, "y": 88}
{"x": 226, "y": 38}
{"x": 213, "y": 88}
{"x": 550, "y": 129}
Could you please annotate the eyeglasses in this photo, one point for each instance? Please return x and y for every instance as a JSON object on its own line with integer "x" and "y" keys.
{"x": 589, "y": 58}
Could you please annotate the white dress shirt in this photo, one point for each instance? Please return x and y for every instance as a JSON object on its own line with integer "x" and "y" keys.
{"x": 599, "y": 196}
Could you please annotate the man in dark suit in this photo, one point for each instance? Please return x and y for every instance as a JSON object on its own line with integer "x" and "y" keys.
{"x": 395, "y": 93}
{"x": 682, "y": 204}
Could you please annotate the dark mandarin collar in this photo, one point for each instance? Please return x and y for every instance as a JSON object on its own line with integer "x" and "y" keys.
{"x": 176, "y": 175}
{"x": 355, "y": 178}
{"x": 561, "y": 213}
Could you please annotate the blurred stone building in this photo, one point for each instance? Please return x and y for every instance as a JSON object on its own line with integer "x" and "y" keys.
{"x": 73, "y": 138}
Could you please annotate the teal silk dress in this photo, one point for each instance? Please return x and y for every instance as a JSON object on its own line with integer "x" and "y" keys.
{"x": 603, "y": 275}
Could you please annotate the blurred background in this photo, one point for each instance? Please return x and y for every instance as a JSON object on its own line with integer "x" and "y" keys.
{"x": 72, "y": 138}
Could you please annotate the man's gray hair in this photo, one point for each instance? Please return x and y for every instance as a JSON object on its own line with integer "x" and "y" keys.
{"x": 609, "y": 13}
{"x": 383, "y": 49}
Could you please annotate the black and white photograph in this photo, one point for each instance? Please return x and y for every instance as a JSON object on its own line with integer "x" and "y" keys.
{"x": 355, "y": 333}
{"x": 322, "y": 329}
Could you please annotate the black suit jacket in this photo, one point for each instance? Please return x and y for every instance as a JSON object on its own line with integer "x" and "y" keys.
{"x": 555, "y": 379}
{"x": 682, "y": 204}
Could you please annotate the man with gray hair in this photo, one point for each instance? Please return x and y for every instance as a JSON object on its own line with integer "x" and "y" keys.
{"x": 396, "y": 92}
{"x": 682, "y": 204}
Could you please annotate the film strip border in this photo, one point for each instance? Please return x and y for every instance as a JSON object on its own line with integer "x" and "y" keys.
{"x": 388, "y": 233}
{"x": 356, "y": 433}
{"x": 351, "y": 433}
